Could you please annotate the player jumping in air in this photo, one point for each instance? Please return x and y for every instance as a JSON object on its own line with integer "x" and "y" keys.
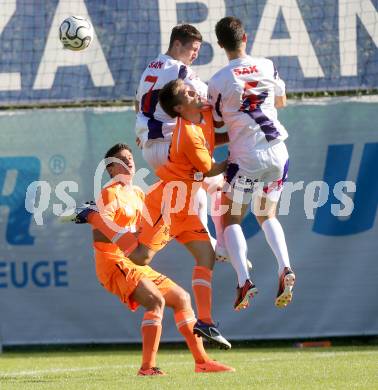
{"x": 122, "y": 204}
{"x": 245, "y": 95}
{"x": 153, "y": 126}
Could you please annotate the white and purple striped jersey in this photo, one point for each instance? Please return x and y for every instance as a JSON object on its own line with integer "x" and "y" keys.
{"x": 242, "y": 95}
{"x": 152, "y": 122}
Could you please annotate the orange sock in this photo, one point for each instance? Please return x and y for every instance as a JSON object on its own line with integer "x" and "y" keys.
{"x": 151, "y": 332}
{"x": 185, "y": 321}
{"x": 201, "y": 284}
{"x": 127, "y": 242}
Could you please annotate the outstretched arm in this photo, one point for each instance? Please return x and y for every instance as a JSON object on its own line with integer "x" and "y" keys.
{"x": 104, "y": 230}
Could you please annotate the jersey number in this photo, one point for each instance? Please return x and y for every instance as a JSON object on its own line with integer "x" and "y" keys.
{"x": 249, "y": 100}
{"x": 150, "y": 99}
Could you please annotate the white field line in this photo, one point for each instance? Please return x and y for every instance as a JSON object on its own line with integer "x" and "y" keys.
{"x": 76, "y": 369}
{"x": 13, "y": 374}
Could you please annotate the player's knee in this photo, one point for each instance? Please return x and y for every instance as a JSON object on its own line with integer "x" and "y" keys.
{"x": 156, "y": 303}
{"x": 206, "y": 261}
{"x": 229, "y": 219}
{"x": 140, "y": 260}
{"x": 262, "y": 218}
{"x": 207, "y": 258}
{"x": 181, "y": 299}
{"x": 142, "y": 255}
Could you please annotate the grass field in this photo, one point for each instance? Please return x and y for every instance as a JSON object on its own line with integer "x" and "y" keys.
{"x": 257, "y": 368}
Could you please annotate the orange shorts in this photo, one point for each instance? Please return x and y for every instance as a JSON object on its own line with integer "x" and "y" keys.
{"x": 121, "y": 276}
{"x": 157, "y": 230}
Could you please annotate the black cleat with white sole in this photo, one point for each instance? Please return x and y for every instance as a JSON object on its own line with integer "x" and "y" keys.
{"x": 211, "y": 333}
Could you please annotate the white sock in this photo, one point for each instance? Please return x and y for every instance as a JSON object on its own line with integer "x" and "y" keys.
{"x": 217, "y": 219}
{"x": 275, "y": 237}
{"x": 202, "y": 213}
{"x": 236, "y": 246}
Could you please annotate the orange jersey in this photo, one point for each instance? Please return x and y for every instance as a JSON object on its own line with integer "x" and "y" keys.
{"x": 190, "y": 157}
{"x": 121, "y": 207}
{"x": 191, "y": 150}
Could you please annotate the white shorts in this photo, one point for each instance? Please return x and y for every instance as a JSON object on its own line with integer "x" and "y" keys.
{"x": 266, "y": 174}
{"x": 155, "y": 152}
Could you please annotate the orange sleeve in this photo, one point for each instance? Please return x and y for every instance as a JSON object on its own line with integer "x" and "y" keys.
{"x": 195, "y": 149}
{"x": 107, "y": 205}
{"x": 127, "y": 242}
{"x": 98, "y": 223}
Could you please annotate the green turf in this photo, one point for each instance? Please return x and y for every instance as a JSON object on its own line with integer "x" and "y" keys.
{"x": 257, "y": 368}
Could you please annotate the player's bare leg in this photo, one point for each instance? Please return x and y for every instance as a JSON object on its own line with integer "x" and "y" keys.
{"x": 142, "y": 255}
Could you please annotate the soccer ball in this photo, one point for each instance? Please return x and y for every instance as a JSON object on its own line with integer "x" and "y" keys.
{"x": 76, "y": 33}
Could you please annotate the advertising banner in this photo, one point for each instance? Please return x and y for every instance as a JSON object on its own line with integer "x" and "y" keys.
{"x": 48, "y": 287}
{"x": 316, "y": 45}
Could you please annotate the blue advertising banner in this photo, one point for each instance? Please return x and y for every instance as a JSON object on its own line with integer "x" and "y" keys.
{"x": 316, "y": 45}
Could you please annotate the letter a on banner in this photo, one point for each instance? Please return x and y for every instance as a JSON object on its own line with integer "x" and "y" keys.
{"x": 298, "y": 45}
{"x": 54, "y": 56}
{"x": 348, "y": 12}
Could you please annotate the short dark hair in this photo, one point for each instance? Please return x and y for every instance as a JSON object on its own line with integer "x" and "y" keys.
{"x": 184, "y": 33}
{"x": 116, "y": 149}
{"x": 229, "y": 32}
{"x": 168, "y": 97}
